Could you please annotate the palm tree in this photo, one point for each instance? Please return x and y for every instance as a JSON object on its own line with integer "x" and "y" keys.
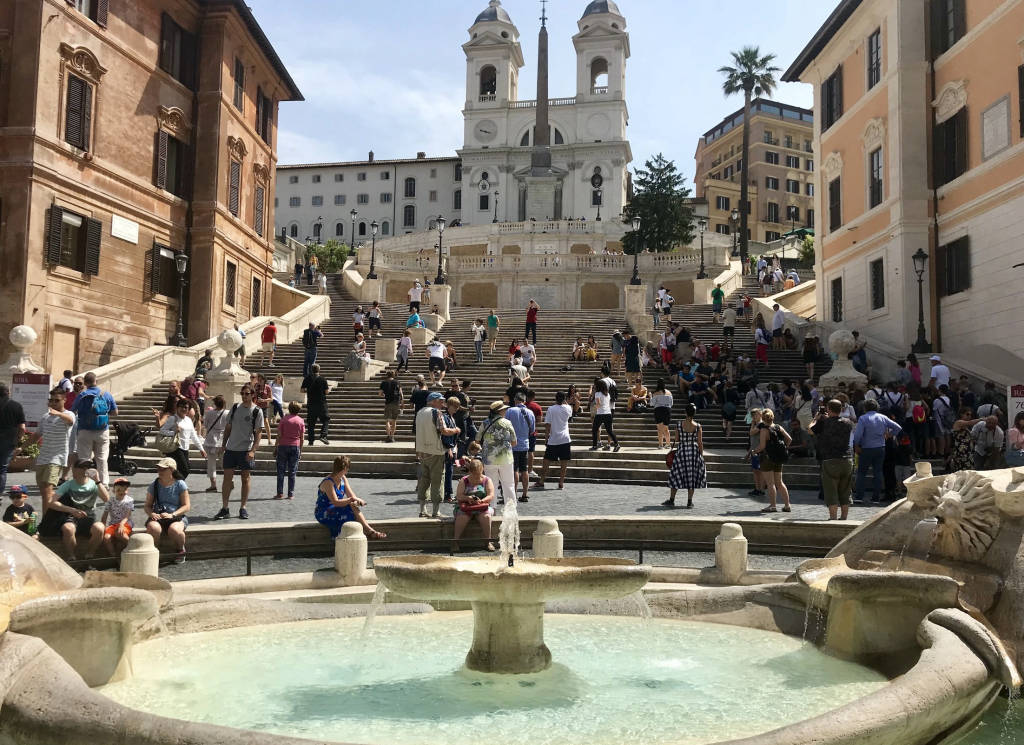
{"x": 752, "y": 75}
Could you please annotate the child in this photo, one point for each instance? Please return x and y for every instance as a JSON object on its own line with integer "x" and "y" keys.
{"x": 19, "y": 513}
{"x": 117, "y": 519}
{"x": 277, "y": 395}
{"x": 357, "y": 321}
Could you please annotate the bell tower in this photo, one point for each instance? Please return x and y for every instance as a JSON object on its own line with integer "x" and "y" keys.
{"x": 493, "y": 60}
{"x": 602, "y": 48}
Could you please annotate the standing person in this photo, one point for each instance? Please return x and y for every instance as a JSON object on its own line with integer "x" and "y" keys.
{"x": 242, "y": 434}
{"x": 436, "y": 353}
{"x": 262, "y": 397}
{"x": 531, "y": 320}
{"x": 374, "y": 317}
{"x": 310, "y": 341}
{"x": 661, "y": 401}
{"x": 415, "y": 295}
{"x": 730, "y": 405}
{"x": 321, "y": 284}
{"x": 529, "y": 353}
{"x": 917, "y": 420}
{"x": 687, "y": 470}
{"x": 1015, "y": 442}
{"x": 943, "y": 417}
{"x": 559, "y": 441}
{"x": 180, "y": 427}
{"x": 357, "y": 322}
{"x": 915, "y": 368}
{"x": 167, "y": 505}
{"x": 618, "y": 342}
{"x": 939, "y": 375}
{"x": 778, "y": 322}
{"x": 754, "y": 436}
{"x": 523, "y": 423}
{"x": 631, "y": 350}
{"x": 449, "y": 412}
{"x": 729, "y": 328}
{"x": 315, "y": 386}
{"x": 772, "y": 447}
{"x": 479, "y": 337}
{"x": 988, "y": 439}
{"x": 52, "y": 437}
{"x": 873, "y": 429}
{"x": 73, "y": 513}
{"x": 391, "y": 392}
{"x": 298, "y": 272}
{"x": 214, "y": 421}
{"x": 337, "y": 504}
{"x": 602, "y": 414}
{"x": 656, "y": 312}
{"x": 290, "y": 431}
{"x": 268, "y": 339}
{"x": 717, "y": 299}
{"x": 117, "y": 519}
{"x": 497, "y": 438}
{"x": 761, "y": 341}
{"x": 277, "y": 396}
{"x": 961, "y": 454}
{"x": 810, "y": 355}
{"x": 66, "y": 383}
{"x": 493, "y": 326}
{"x": 832, "y": 434}
{"x": 404, "y": 351}
{"x": 93, "y": 409}
{"x": 418, "y": 398}
{"x": 430, "y": 450}
{"x": 538, "y": 416}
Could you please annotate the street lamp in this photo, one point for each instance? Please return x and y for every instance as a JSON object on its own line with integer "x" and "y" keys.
{"x": 734, "y": 221}
{"x": 600, "y": 199}
{"x": 319, "y": 230}
{"x": 495, "y": 206}
{"x": 439, "y": 224}
{"x": 181, "y": 264}
{"x": 373, "y": 250}
{"x": 702, "y": 225}
{"x": 635, "y": 280}
{"x": 352, "y": 235}
{"x": 920, "y": 262}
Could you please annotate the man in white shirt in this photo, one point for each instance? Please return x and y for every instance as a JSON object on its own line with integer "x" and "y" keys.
{"x": 415, "y": 294}
{"x": 529, "y": 355}
{"x": 778, "y": 322}
{"x": 939, "y": 374}
{"x": 729, "y": 327}
{"x": 559, "y": 443}
{"x": 758, "y": 399}
{"x": 988, "y": 439}
{"x": 436, "y": 352}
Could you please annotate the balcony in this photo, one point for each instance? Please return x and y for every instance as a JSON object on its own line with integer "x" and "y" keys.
{"x": 533, "y": 104}
{"x": 599, "y": 90}
{"x": 770, "y": 140}
{"x": 488, "y": 97}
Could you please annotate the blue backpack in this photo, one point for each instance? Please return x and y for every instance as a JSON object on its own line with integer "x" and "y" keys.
{"x": 95, "y": 416}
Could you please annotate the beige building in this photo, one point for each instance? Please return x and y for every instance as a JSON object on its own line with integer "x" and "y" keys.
{"x": 131, "y": 132}
{"x": 918, "y": 122}
{"x": 781, "y": 170}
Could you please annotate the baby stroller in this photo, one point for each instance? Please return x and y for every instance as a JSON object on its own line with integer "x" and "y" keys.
{"x": 128, "y": 436}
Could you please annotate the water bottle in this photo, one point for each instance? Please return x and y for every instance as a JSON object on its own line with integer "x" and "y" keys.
{"x": 30, "y": 527}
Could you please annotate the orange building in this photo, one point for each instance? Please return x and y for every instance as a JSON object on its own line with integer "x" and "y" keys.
{"x": 131, "y": 132}
{"x": 918, "y": 126}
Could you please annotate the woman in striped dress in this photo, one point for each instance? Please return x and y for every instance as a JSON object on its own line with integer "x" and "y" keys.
{"x": 688, "y": 470}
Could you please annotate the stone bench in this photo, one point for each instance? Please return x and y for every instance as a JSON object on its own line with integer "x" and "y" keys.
{"x": 420, "y": 336}
{"x": 366, "y": 371}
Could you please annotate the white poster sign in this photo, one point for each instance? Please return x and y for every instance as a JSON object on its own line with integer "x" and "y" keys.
{"x": 1014, "y": 400}
{"x": 125, "y": 229}
{"x": 32, "y": 391}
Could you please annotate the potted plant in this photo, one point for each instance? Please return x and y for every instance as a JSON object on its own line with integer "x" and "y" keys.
{"x": 25, "y": 454}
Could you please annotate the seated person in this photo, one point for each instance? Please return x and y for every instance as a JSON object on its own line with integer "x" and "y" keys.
{"x": 639, "y": 397}
{"x": 517, "y": 369}
{"x": 788, "y": 339}
{"x": 337, "y": 504}
{"x": 686, "y": 378}
{"x": 592, "y": 353}
{"x": 701, "y": 394}
{"x": 118, "y": 518}
{"x": 167, "y": 504}
{"x": 450, "y": 361}
{"x": 801, "y": 445}
{"x": 474, "y": 496}
{"x": 414, "y": 321}
{"x": 359, "y": 347}
{"x": 19, "y": 513}
{"x": 514, "y": 347}
{"x": 579, "y": 350}
{"x": 73, "y": 513}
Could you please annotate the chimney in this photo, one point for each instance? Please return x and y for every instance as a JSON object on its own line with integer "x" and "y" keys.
{"x": 420, "y": 155}
{"x": 370, "y": 157}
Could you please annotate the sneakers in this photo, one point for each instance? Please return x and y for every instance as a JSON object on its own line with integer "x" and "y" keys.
{"x": 755, "y": 493}
{"x": 617, "y": 448}
{"x": 179, "y": 558}
{"x": 595, "y": 448}
{"x": 423, "y": 513}
{"x": 224, "y": 514}
{"x": 243, "y": 514}
{"x": 524, "y": 499}
{"x": 607, "y": 447}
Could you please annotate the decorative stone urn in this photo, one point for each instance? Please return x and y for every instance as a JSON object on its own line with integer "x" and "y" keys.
{"x": 20, "y": 360}
{"x": 841, "y": 343}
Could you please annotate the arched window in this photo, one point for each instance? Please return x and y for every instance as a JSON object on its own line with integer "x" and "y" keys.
{"x": 410, "y": 188}
{"x": 293, "y": 231}
{"x": 385, "y": 228}
{"x": 488, "y": 81}
{"x": 339, "y": 229}
{"x": 457, "y": 200}
{"x": 409, "y": 216}
{"x": 525, "y": 142}
{"x": 485, "y": 176}
{"x": 362, "y": 229}
{"x": 599, "y": 75}
{"x": 558, "y": 139}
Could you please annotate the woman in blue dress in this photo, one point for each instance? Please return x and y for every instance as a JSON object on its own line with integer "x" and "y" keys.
{"x": 337, "y": 504}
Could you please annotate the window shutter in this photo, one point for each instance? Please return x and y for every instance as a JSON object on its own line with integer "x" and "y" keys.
{"x": 959, "y": 19}
{"x": 259, "y": 110}
{"x": 963, "y": 264}
{"x": 839, "y": 91}
{"x": 1020, "y": 98}
{"x": 93, "y": 234}
{"x": 234, "y": 184}
{"x": 55, "y": 222}
{"x": 960, "y": 135}
{"x": 86, "y": 114}
{"x": 941, "y": 274}
{"x": 161, "y": 160}
{"x": 935, "y": 27}
{"x": 102, "y": 11}
{"x": 73, "y": 111}
{"x": 189, "y": 47}
{"x": 258, "y": 216}
{"x": 166, "y": 42}
{"x": 154, "y": 271}
{"x": 938, "y": 155}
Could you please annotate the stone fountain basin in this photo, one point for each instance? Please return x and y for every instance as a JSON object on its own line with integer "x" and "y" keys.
{"x": 530, "y": 581}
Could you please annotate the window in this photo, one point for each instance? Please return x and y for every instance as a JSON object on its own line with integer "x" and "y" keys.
{"x": 294, "y": 201}
{"x": 949, "y": 140}
{"x": 773, "y": 212}
{"x": 809, "y": 189}
{"x": 809, "y": 164}
{"x": 410, "y": 188}
{"x": 361, "y": 176}
{"x": 808, "y": 147}
{"x": 257, "y": 296}
{"x": 458, "y": 172}
{"x": 835, "y": 202}
{"x": 488, "y": 81}
{"x": 385, "y": 175}
{"x": 73, "y": 241}
{"x": 385, "y": 197}
{"x": 792, "y": 186}
{"x": 433, "y": 173}
{"x": 275, "y": 202}
{"x": 771, "y": 157}
{"x": 727, "y": 173}
{"x": 264, "y": 115}
{"x": 948, "y": 24}
{"x": 239, "y": 100}
{"x": 230, "y": 277}
{"x": 385, "y": 228}
{"x": 876, "y": 275}
{"x": 792, "y": 161}
{"x": 596, "y": 196}
{"x": 832, "y": 99}
{"x": 837, "y": 300}
{"x": 163, "y": 273}
{"x": 293, "y": 231}
{"x": 432, "y": 196}
{"x": 769, "y": 140}
{"x": 810, "y": 218}
{"x": 792, "y": 213}
{"x": 739, "y": 165}
{"x": 722, "y": 203}
{"x": 317, "y": 201}
{"x": 293, "y": 179}
{"x": 339, "y": 200}
{"x": 770, "y": 182}
{"x": 316, "y": 178}
{"x": 875, "y": 177}
{"x": 485, "y": 201}
{"x": 409, "y": 216}
{"x": 234, "y": 186}
{"x": 457, "y": 200}
{"x": 339, "y": 229}
{"x": 772, "y": 235}
{"x": 78, "y": 113}
{"x": 362, "y": 229}
{"x": 874, "y": 58}
{"x": 94, "y": 10}
{"x": 171, "y": 157}
{"x": 339, "y": 177}
{"x": 318, "y": 230}
{"x": 953, "y": 265}
{"x": 721, "y": 229}
{"x": 177, "y": 52}
{"x": 362, "y": 199}
{"x": 258, "y": 209}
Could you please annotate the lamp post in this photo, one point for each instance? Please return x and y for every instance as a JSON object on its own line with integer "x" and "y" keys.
{"x": 600, "y": 199}
{"x": 734, "y": 221}
{"x": 920, "y": 262}
{"x": 702, "y": 225}
{"x": 495, "y": 206}
{"x": 439, "y": 224}
{"x": 352, "y": 236}
{"x": 373, "y": 250}
{"x": 319, "y": 230}
{"x": 635, "y": 279}
{"x": 181, "y": 264}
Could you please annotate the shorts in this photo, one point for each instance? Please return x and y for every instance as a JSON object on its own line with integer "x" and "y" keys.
{"x": 666, "y": 311}
{"x": 268, "y": 346}
{"x": 392, "y": 411}
{"x": 125, "y": 530}
{"x": 776, "y": 333}
{"x": 48, "y": 475}
{"x": 54, "y": 520}
{"x": 663, "y": 415}
{"x": 374, "y": 323}
{"x": 357, "y": 327}
{"x": 519, "y": 462}
{"x": 837, "y": 480}
{"x": 561, "y": 452}
{"x": 716, "y": 308}
{"x": 166, "y": 523}
{"x": 414, "y": 305}
{"x": 728, "y": 331}
{"x": 755, "y": 462}
{"x": 767, "y": 465}
{"x": 436, "y": 363}
{"x": 238, "y": 460}
{"x": 533, "y": 443}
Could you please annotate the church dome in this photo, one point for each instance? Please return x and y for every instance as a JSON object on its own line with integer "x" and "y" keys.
{"x": 494, "y": 12}
{"x": 601, "y": 6}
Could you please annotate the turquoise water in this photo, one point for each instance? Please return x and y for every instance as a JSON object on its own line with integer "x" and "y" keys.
{"x": 1003, "y": 724}
{"x": 617, "y": 680}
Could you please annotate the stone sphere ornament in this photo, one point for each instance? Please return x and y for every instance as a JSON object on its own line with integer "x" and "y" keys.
{"x": 23, "y": 337}
{"x": 229, "y": 340}
{"x": 841, "y": 343}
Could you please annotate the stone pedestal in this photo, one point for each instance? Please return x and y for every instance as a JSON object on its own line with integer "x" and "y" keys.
{"x": 432, "y": 321}
{"x": 442, "y": 296}
{"x": 841, "y": 343}
{"x": 702, "y": 291}
{"x": 731, "y": 553}
{"x": 540, "y": 196}
{"x": 420, "y": 336}
{"x": 636, "y": 301}
{"x": 228, "y": 377}
{"x": 547, "y": 539}
{"x": 20, "y": 361}
{"x": 350, "y": 555}
{"x": 385, "y": 350}
{"x": 365, "y": 371}
{"x": 495, "y": 650}
{"x": 370, "y": 291}
{"x": 141, "y": 556}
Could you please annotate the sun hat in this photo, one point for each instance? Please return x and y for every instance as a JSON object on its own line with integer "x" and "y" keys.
{"x": 498, "y": 406}
{"x": 166, "y": 463}
{"x": 935, "y": 358}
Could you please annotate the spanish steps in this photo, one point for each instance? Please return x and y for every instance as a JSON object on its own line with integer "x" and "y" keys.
{"x": 356, "y": 409}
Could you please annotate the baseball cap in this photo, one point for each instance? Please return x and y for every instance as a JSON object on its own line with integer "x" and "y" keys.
{"x": 935, "y": 358}
{"x": 435, "y": 396}
{"x": 122, "y": 480}
{"x": 166, "y": 463}
{"x": 16, "y": 490}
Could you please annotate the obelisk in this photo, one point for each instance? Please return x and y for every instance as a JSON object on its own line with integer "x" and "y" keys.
{"x": 543, "y": 183}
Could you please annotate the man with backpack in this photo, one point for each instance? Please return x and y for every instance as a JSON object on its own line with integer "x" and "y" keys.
{"x": 873, "y": 429}
{"x": 310, "y": 339}
{"x": 242, "y": 435}
{"x": 93, "y": 408}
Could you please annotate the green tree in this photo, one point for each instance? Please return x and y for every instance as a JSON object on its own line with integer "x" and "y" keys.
{"x": 806, "y": 251}
{"x": 658, "y": 200}
{"x": 752, "y": 75}
{"x": 331, "y": 255}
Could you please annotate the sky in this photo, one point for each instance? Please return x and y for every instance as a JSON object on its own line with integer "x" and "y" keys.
{"x": 390, "y": 76}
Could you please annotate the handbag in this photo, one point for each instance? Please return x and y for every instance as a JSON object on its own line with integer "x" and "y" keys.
{"x": 166, "y": 442}
{"x": 474, "y": 507}
{"x": 670, "y": 457}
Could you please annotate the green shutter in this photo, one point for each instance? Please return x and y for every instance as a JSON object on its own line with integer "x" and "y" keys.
{"x": 93, "y": 236}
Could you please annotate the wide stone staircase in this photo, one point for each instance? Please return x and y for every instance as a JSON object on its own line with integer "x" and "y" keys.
{"x": 356, "y": 409}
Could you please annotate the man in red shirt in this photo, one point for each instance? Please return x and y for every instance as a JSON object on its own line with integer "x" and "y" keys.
{"x": 531, "y": 319}
{"x": 269, "y": 339}
{"x": 538, "y": 416}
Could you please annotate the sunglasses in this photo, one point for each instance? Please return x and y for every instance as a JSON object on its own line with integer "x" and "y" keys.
{"x": 246, "y": 393}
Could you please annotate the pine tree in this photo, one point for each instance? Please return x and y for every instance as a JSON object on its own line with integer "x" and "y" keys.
{"x": 658, "y": 200}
